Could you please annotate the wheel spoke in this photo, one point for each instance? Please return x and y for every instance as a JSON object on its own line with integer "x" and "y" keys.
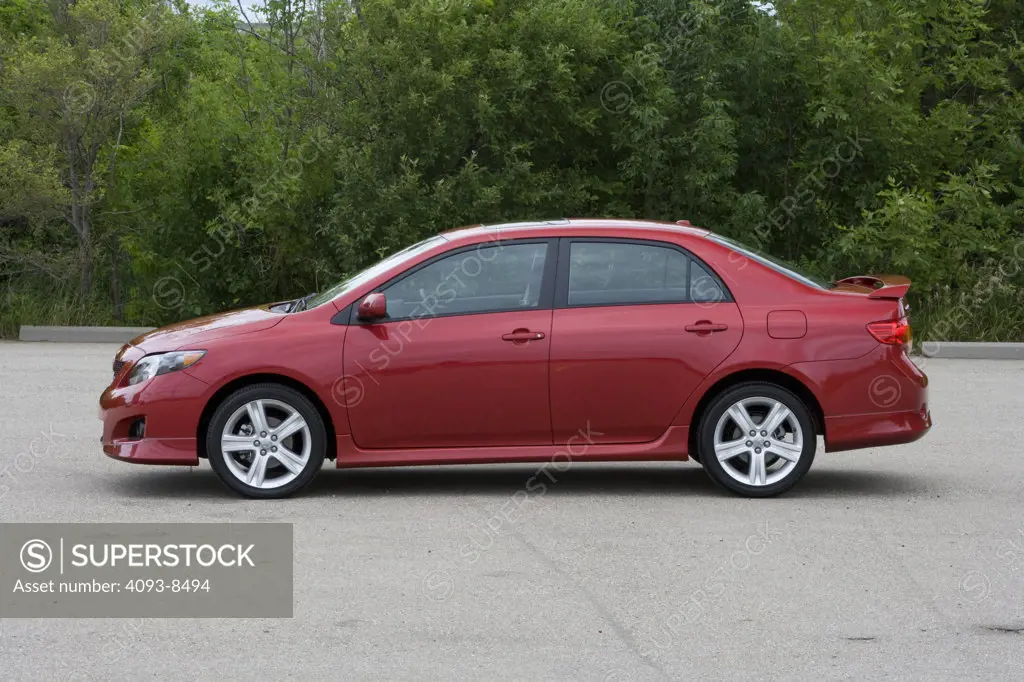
{"x": 775, "y": 418}
{"x": 257, "y": 472}
{"x": 257, "y": 416}
{"x": 758, "y": 475}
{"x": 292, "y": 424}
{"x": 731, "y": 449}
{"x": 739, "y": 415}
{"x": 787, "y": 451}
{"x": 233, "y": 443}
{"x": 289, "y": 460}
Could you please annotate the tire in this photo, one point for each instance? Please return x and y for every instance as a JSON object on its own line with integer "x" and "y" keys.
{"x": 272, "y": 427}
{"x": 792, "y": 439}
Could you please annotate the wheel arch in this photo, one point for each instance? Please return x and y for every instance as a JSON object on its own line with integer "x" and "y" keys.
{"x": 264, "y": 378}
{"x": 772, "y": 376}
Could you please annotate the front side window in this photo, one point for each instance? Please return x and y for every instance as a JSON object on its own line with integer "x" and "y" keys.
{"x": 486, "y": 279}
{"x": 612, "y": 273}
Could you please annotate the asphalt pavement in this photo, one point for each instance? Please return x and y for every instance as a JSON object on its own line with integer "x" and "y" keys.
{"x": 893, "y": 563}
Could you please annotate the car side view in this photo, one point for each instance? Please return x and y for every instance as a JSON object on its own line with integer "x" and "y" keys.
{"x": 582, "y": 340}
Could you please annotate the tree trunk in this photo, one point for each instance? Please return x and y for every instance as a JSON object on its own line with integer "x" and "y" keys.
{"x": 115, "y": 281}
{"x": 86, "y": 284}
{"x": 80, "y": 215}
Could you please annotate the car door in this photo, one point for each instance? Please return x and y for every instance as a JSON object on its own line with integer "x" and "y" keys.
{"x": 637, "y": 326}
{"x": 461, "y": 360}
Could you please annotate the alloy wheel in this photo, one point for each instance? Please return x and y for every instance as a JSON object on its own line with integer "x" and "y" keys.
{"x": 758, "y": 441}
{"x": 266, "y": 443}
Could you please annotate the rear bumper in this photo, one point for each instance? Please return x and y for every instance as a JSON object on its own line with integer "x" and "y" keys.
{"x": 170, "y": 406}
{"x": 879, "y": 399}
{"x": 873, "y": 430}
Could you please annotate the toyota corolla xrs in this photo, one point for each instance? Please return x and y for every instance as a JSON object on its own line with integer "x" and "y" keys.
{"x": 589, "y": 340}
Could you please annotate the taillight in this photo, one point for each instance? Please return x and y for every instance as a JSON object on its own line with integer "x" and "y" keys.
{"x": 892, "y": 332}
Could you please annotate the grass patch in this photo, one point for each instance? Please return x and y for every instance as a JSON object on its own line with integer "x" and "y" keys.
{"x": 58, "y": 307}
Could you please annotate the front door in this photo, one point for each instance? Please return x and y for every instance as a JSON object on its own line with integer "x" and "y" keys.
{"x": 462, "y": 358}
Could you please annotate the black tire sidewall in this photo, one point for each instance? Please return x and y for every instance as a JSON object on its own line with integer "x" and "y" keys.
{"x": 289, "y": 396}
{"x": 706, "y": 437}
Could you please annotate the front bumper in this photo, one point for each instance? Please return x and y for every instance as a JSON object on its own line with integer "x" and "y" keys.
{"x": 170, "y": 405}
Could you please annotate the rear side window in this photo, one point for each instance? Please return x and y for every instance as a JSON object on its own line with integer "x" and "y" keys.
{"x": 614, "y": 273}
{"x": 703, "y": 287}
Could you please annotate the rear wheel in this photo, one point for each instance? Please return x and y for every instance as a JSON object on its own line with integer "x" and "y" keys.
{"x": 757, "y": 439}
{"x": 266, "y": 441}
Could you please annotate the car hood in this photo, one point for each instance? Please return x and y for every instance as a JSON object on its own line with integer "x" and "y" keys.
{"x": 202, "y": 329}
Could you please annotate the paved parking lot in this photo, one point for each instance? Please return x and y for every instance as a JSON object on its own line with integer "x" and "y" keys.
{"x": 906, "y": 562}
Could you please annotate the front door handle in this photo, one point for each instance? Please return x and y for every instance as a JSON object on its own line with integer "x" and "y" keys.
{"x": 705, "y": 327}
{"x": 522, "y": 336}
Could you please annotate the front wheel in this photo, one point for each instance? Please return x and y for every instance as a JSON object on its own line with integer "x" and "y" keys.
{"x": 757, "y": 439}
{"x": 266, "y": 441}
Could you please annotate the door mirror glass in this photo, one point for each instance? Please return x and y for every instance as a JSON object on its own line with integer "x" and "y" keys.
{"x": 373, "y": 307}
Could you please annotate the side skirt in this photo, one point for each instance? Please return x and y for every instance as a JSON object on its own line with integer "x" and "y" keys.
{"x": 670, "y": 446}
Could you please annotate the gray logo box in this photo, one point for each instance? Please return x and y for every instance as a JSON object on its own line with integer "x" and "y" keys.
{"x": 146, "y": 570}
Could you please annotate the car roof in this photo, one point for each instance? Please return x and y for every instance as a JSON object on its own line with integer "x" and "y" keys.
{"x": 611, "y": 227}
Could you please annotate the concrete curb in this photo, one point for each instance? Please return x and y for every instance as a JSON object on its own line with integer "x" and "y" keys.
{"x": 972, "y": 350}
{"x": 81, "y": 334}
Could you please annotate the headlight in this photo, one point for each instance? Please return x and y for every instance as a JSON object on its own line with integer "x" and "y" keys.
{"x": 162, "y": 363}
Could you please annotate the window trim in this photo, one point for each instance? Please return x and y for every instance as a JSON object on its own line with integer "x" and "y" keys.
{"x": 562, "y": 276}
{"x": 544, "y": 302}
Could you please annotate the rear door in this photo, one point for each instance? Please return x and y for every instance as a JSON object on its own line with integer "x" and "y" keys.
{"x": 637, "y": 326}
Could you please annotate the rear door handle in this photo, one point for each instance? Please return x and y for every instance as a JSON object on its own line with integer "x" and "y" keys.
{"x": 522, "y": 335}
{"x": 705, "y": 327}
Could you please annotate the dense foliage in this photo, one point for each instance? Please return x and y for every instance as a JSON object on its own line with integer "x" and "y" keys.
{"x": 160, "y": 160}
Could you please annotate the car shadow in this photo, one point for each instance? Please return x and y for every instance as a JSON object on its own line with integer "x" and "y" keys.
{"x": 505, "y": 479}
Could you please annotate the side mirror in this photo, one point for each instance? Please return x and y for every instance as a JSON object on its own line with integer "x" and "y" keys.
{"x": 373, "y": 307}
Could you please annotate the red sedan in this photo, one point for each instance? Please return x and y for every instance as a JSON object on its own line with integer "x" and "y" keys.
{"x": 554, "y": 342}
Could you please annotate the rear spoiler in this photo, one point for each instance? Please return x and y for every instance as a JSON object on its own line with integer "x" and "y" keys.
{"x": 885, "y": 286}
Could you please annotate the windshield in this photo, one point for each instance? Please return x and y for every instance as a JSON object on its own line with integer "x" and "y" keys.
{"x": 777, "y": 264}
{"x": 366, "y": 275}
